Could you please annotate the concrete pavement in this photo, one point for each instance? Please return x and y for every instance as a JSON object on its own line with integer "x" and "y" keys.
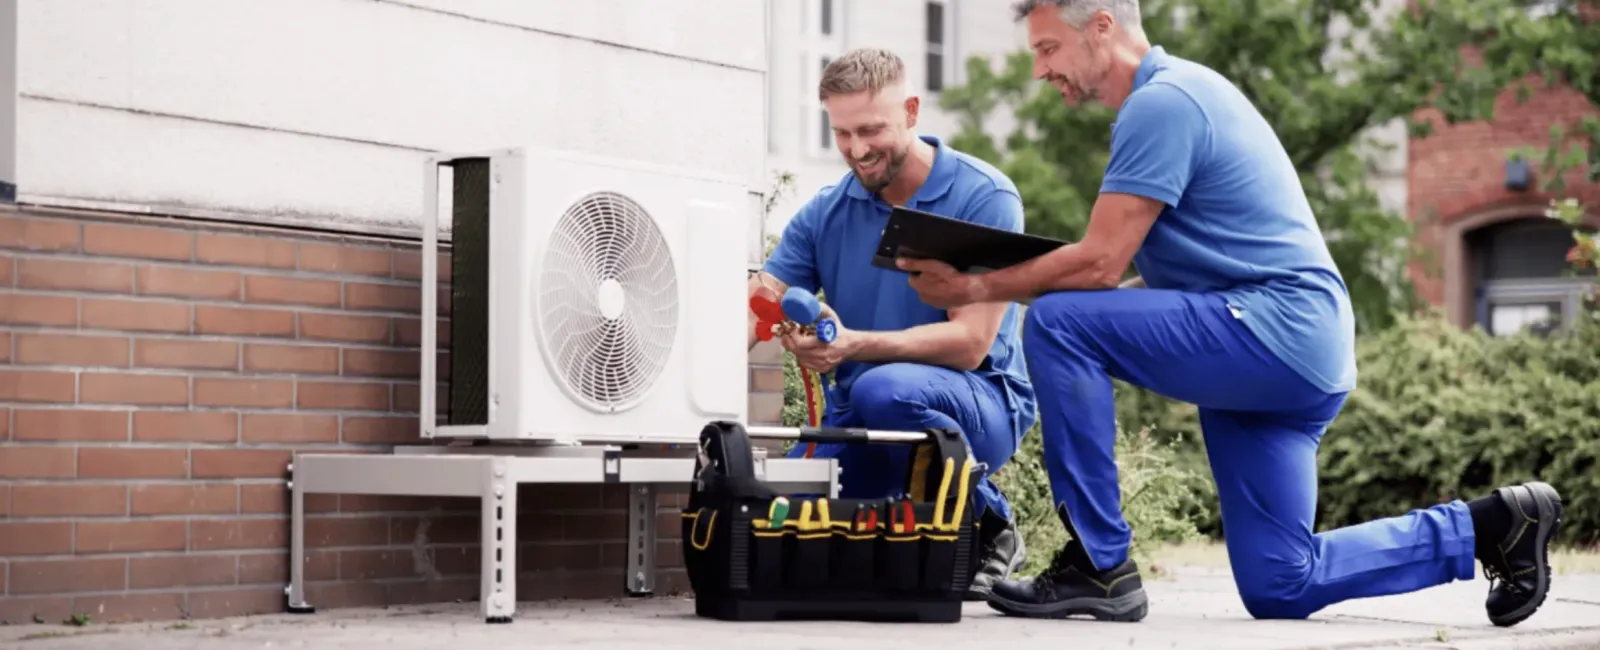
{"x": 1193, "y": 609}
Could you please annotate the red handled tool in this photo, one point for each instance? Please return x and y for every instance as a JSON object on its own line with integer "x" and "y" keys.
{"x": 764, "y": 304}
{"x": 866, "y": 518}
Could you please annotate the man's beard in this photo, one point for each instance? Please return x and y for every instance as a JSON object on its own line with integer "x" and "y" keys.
{"x": 1073, "y": 93}
{"x": 891, "y": 169}
{"x": 1076, "y": 93}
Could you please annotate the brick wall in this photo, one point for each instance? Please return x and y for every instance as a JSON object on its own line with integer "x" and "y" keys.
{"x": 156, "y": 375}
{"x": 1460, "y": 169}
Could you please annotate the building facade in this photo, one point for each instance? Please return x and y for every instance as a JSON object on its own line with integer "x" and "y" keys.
{"x": 1495, "y": 260}
{"x": 213, "y": 262}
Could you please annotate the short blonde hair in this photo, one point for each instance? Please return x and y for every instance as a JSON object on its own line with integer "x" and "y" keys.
{"x": 868, "y": 68}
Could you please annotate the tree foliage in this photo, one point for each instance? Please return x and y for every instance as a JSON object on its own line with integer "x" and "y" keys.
{"x": 1324, "y": 73}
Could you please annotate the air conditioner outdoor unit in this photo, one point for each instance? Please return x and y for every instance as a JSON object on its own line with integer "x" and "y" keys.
{"x": 590, "y": 299}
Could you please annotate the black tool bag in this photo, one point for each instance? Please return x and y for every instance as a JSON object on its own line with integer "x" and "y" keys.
{"x": 843, "y": 559}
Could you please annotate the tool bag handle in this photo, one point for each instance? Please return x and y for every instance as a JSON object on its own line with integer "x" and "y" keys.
{"x": 726, "y": 463}
{"x": 834, "y": 434}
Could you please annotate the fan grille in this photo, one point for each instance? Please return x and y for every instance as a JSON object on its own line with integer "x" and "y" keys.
{"x": 608, "y": 302}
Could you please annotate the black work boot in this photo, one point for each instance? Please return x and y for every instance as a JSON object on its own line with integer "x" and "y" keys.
{"x": 1002, "y": 553}
{"x": 1072, "y": 586}
{"x": 1514, "y": 526}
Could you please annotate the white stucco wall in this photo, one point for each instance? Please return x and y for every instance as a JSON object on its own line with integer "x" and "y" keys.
{"x": 322, "y": 111}
{"x": 1386, "y": 143}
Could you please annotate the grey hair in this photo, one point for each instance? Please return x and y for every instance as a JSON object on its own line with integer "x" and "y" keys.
{"x": 1077, "y": 12}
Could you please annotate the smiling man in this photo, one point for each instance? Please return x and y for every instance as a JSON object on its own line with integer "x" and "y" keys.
{"x": 1245, "y": 316}
{"x": 899, "y": 364}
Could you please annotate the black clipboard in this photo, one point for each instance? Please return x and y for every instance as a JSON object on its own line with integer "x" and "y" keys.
{"x": 966, "y": 246}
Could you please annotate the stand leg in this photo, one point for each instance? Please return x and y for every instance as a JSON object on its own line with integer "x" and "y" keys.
{"x": 499, "y": 592}
{"x": 296, "y": 591}
{"x": 640, "y": 576}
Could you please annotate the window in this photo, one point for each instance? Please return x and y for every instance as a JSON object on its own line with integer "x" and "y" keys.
{"x": 826, "y": 127}
{"x": 937, "y": 57}
{"x": 1521, "y": 278}
{"x": 823, "y": 41}
{"x": 1508, "y": 318}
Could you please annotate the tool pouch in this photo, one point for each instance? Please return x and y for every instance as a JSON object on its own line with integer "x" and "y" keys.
{"x": 845, "y": 559}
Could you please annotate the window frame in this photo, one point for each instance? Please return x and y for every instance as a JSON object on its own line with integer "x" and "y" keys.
{"x": 815, "y": 132}
{"x": 1569, "y": 292}
{"x": 941, "y": 74}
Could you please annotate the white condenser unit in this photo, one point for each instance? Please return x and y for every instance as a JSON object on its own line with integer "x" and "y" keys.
{"x": 589, "y": 299}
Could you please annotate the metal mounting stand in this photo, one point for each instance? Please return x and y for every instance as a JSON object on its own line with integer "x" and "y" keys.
{"x": 492, "y": 473}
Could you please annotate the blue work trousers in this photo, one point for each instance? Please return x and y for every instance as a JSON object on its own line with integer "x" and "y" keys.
{"x": 916, "y": 397}
{"x": 1262, "y": 423}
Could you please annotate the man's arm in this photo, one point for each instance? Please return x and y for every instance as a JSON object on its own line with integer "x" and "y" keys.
{"x": 793, "y": 261}
{"x": 1160, "y": 136}
{"x": 960, "y": 343}
{"x": 963, "y": 341}
{"x": 1117, "y": 226}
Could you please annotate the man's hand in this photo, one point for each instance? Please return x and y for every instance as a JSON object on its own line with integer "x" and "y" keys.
{"x": 816, "y": 356}
{"x": 940, "y": 285}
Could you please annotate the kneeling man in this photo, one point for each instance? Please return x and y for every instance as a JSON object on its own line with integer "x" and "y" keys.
{"x": 1245, "y": 316}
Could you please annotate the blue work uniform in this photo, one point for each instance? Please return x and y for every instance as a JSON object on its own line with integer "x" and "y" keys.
{"x": 1247, "y": 317}
{"x": 829, "y": 245}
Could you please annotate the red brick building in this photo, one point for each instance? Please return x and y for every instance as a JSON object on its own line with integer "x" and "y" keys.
{"x": 227, "y": 272}
{"x": 1497, "y": 261}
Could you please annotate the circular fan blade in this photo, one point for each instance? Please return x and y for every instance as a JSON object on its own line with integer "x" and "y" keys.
{"x": 607, "y": 302}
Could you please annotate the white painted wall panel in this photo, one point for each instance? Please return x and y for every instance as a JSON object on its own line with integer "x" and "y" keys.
{"x": 333, "y": 73}
{"x": 117, "y": 159}
{"x": 709, "y": 30}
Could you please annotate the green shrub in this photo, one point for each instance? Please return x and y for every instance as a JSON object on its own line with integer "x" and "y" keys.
{"x": 1157, "y": 496}
{"x": 1443, "y": 413}
{"x": 1440, "y": 413}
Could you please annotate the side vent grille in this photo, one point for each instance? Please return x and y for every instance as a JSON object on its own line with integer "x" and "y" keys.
{"x": 469, "y": 294}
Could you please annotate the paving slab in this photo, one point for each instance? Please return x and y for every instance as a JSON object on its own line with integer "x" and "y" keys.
{"x": 1193, "y": 609}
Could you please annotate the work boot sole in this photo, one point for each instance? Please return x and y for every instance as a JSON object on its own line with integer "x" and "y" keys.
{"x": 1127, "y": 608}
{"x": 1548, "y": 504}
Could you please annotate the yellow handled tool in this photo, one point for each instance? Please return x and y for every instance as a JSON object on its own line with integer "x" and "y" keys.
{"x": 822, "y": 515}
{"x": 805, "y": 515}
{"x": 944, "y": 491}
{"x": 961, "y": 493}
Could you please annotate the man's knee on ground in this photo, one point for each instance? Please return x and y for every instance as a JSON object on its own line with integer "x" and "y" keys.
{"x": 1274, "y": 588}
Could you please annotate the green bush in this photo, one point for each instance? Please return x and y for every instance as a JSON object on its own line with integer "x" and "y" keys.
{"x": 1441, "y": 413}
{"x": 1444, "y": 413}
{"x": 1157, "y": 496}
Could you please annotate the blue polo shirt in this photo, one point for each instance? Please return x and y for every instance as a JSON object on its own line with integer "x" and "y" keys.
{"x": 830, "y": 242}
{"x": 1237, "y": 221}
